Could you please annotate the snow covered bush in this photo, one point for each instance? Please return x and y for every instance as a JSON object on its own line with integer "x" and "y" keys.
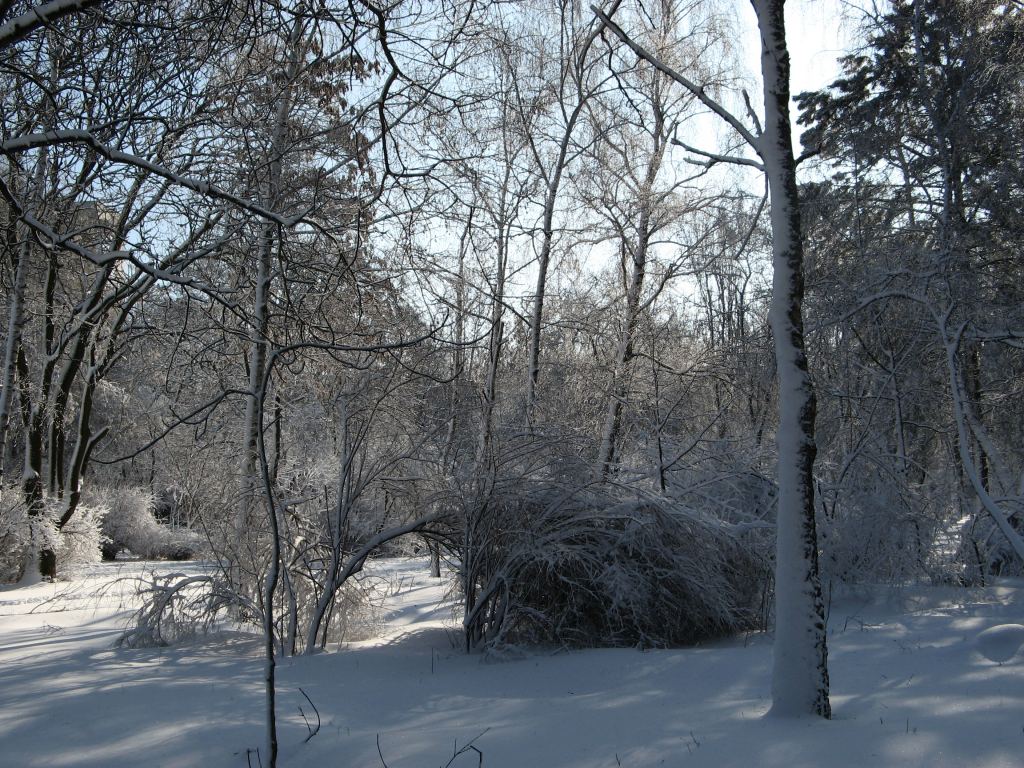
{"x": 15, "y": 534}
{"x": 877, "y": 528}
{"x": 176, "y": 607}
{"x": 984, "y": 551}
{"x": 130, "y": 524}
{"x": 21, "y": 535}
{"x": 81, "y": 539}
{"x": 593, "y": 569}
{"x": 728, "y": 479}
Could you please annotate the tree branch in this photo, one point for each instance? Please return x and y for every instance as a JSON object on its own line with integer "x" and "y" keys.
{"x": 713, "y": 158}
{"x": 42, "y": 15}
{"x": 697, "y": 90}
{"x": 86, "y": 138}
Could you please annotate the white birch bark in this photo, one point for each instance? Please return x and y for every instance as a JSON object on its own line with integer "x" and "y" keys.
{"x": 799, "y": 665}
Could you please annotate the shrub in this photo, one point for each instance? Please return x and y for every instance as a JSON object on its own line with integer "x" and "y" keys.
{"x": 81, "y": 539}
{"x": 15, "y": 536}
{"x": 130, "y": 525}
{"x": 597, "y": 570}
{"x": 875, "y": 528}
{"x": 78, "y": 543}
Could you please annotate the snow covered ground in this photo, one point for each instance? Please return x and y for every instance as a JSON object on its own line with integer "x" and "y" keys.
{"x": 913, "y": 685}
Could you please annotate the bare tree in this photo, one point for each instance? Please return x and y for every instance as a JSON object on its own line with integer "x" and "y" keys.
{"x": 579, "y": 77}
{"x": 800, "y": 671}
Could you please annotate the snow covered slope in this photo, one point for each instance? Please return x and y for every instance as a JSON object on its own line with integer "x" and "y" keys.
{"x": 911, "y": 687}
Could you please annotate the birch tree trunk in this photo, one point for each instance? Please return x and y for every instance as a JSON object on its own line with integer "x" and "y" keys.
{"x": 800, "y": 654}
{"x": 619, "y": 390}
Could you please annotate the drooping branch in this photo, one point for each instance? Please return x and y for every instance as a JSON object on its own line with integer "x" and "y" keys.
{"x": 698, "y": 91}
{"x": 205, "y": 188}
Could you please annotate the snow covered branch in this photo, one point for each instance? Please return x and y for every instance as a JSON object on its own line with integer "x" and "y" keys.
{"x": 39, "y": 16}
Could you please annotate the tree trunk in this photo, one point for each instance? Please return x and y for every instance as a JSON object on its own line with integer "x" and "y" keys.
{"x": 259, "y": 331}
{"x": 577, "y": 64}
{"x": 435, "y": 559}
{"x": 618, "y": 393}
{"x": 619, "y": 390}
{"x": 544, "y": 260}
{"x": 800, "y": 655}
{"x": 15, "y": 330}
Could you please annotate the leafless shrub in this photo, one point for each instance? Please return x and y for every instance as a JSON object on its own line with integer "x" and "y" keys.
{"x": 175, "y": 607}
{"x": 603, "y": 568}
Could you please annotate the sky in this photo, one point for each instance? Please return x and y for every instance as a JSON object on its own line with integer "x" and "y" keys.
{"x": 817, "y": 34}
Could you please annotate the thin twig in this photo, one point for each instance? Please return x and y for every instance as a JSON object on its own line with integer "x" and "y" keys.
{"x": 466, "y": 748}
{"x": 312, "y": 731}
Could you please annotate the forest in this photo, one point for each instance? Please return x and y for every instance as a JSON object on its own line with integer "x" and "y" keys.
{"x": 634, "y": 347}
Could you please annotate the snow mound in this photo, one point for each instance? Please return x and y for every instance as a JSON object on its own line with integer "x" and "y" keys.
{"x": 1000, "y": 643}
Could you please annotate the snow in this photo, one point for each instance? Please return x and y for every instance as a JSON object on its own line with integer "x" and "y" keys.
{"x": 1000, "y": 643}
{"x": 911, "y": 686}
